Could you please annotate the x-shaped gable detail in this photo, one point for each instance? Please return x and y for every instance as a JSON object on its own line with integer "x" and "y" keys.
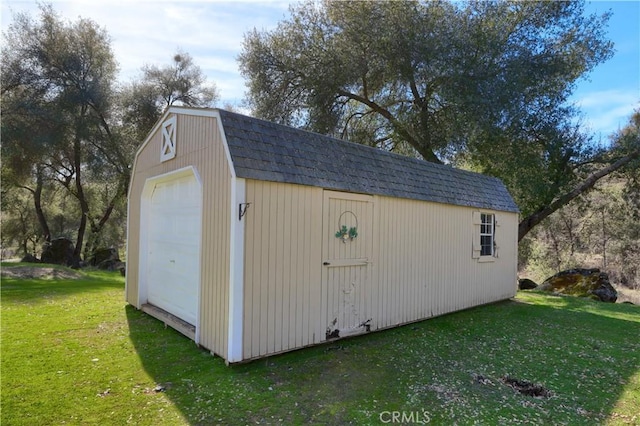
{"x": 168, "y": 147}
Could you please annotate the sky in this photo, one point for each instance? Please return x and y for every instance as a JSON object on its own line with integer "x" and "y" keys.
{"x": 146, "y": 32}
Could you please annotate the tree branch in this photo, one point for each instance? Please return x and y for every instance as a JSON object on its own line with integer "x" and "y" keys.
{"x": 528, "y": 223}
{"x": 397, "y": 125}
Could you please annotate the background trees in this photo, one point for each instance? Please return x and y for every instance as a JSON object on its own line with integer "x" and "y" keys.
{"x": 60, "y": 83}
{"x": 144, "y": 99}
{"x": 70, "y": 132}
{"x": 482, "y": 85}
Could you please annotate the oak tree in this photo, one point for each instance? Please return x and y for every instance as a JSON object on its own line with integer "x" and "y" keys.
{"x": 483, "y": 85}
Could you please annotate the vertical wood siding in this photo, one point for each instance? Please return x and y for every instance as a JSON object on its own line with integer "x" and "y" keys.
{"x": 198, "y": 144}
{"x": 423, "y": 263}
{"x": 282, "y": 268}
{"x": 419, "y": 265}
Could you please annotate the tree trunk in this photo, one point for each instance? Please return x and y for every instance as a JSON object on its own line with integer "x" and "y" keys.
{"x": 25, "y": 239}
{"x": 95, "y": 237}
{"x": 37, "y": 202}
{"x": 84, "y": 206}
{"x": 530, "y": 222}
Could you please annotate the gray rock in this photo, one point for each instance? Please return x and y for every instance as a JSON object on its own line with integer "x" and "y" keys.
{"x": 30, "y": 259}
{"x": 583, "y": 283}
{"x": 526, "y": 284}
{"x": 59, "y": 251}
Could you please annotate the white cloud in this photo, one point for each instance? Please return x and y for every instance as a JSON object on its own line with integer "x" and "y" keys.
{"x": 149, "y": 32}
{"x": 602, "y": 98}
{"x": 607, "y": 111}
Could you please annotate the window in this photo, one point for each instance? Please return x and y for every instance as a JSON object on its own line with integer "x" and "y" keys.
{"x": 484, "y": 244}
{"x": 486, "y": 234}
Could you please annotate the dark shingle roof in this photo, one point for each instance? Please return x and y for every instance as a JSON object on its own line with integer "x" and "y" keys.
{"x": 271, "y": 152}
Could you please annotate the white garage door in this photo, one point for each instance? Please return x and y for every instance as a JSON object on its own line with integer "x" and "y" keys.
{"x": 174, "y": 247}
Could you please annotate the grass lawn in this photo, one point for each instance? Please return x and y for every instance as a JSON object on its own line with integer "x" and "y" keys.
{"x": 73, "y": 352}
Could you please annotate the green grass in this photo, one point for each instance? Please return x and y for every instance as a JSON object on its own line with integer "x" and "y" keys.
{"x": 73, "y": 352}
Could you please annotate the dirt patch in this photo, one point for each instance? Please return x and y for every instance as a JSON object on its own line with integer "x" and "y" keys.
{"x": 527, "y": 388}
{"x": 39, "y": 272}
{"x": 626, "y": 294}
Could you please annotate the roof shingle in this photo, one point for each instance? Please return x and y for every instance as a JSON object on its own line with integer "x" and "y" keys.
{"x": 267, "y": 151}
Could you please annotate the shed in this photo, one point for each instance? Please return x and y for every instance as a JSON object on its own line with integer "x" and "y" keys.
{"x": 254, "y": 238}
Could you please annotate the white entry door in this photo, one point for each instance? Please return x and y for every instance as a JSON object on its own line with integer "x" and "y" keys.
{"x": 346, "y": 270}
{"x": 173, "y": 262}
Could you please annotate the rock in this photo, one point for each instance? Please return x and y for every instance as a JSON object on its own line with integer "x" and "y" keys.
{"x": 30, "y": 259}
{"x": 59, "y": 251}
{"x": 108, "y": 259}
{"x": 105, "y": 258}
{"x": 582, "y": 283}
{"x": 526, "y": 284}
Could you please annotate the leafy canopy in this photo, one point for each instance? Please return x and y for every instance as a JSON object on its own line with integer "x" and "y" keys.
{"x": 483, "y": 84}
{"x": 67, "y": 124}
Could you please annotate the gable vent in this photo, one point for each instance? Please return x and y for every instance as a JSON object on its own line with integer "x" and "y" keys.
{"x": 168, "y": 147}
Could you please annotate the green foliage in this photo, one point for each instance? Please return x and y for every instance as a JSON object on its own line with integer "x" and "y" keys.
{"x": 19, "y": 225}
{"x": 72, "y": 352}
{"x": 66, "y": 125}
{"x": 480, "y": 84}
{"x": 61, "y": 87}
{"x": 144, "y": 100}
{"x": 600, "y": 230}
{"x": 345, "y": 232}
{"x": 438, "y": 75}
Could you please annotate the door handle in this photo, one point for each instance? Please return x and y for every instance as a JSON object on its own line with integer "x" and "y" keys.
{"x": 326, "y": 263}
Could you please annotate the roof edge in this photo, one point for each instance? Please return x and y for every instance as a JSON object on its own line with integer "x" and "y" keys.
{"x": 196, "y": 111}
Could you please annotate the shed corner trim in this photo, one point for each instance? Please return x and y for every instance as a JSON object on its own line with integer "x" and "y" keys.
{"x": 236, "y": 271}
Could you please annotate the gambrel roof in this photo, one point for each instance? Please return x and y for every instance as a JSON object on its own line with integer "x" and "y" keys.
{"x": 267, "y": 151}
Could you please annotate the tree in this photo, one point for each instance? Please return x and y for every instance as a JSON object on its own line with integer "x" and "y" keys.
{"x": 180, "y": 83}
{"x": 19, "y": 225}
{"x": 66, "y": 124}
{"x": 601, "y": 229}
{"x": 58, "y": 83}
{"x": 484, "y": 84}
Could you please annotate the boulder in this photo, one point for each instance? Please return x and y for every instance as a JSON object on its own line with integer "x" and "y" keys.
{"x": 526, "y": 284}
{"x": 105, "y": 258}
{"x": 108, "y": 259}
{"x": 29, "y": 258}
{"x": 58, "y": 251}
{"x": 583, "y": 283}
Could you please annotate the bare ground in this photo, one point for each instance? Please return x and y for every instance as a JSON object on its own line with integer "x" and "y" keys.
{"x": 40, "y": 272}
{"x": 626, "y": 294}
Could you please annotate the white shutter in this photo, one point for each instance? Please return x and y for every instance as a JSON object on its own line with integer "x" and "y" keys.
{"x": 496, "y": 225}
{"x": 475, "y": 238}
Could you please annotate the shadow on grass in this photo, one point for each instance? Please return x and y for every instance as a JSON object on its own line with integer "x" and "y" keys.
{"x": 586, "y": 355}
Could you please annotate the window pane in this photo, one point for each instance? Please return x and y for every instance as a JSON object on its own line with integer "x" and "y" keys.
{"x": 486, "y": 244}
{"x": 486, "y": 234}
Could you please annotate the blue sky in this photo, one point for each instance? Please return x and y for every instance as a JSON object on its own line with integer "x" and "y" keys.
{"x": 150, "y": 31}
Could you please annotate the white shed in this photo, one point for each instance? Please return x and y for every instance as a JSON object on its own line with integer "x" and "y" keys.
{"x": 254, "y": 238}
